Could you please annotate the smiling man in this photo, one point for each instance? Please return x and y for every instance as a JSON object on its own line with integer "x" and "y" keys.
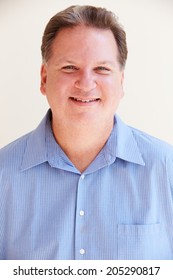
{"x": 82, "y": 81}
{"x": 83, "y": 185}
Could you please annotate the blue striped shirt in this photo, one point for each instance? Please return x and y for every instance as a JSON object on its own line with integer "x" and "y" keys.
{"x": 120, "y": 207}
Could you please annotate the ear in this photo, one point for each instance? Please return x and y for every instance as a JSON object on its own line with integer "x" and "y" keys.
{"x": 122, "y": 83}
{"x": 43, "y": 74}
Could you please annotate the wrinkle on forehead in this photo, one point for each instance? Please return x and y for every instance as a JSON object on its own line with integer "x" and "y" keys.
{"x": 98, "y": 45}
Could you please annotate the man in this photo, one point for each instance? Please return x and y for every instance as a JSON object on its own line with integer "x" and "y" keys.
{"x": 83, "y": 185}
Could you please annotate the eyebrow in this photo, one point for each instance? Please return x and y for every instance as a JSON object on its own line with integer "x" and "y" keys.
{"x": 104, "y": 62}
{"x": 62, "y": 60}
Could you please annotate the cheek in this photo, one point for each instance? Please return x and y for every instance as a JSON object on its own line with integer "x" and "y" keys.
{"x": 112, "y": 89}
{"x": 51, "y": 83}
{"x": 112, "y": 95}
{"x": 117, "y": 88}
{"x": 60, "y": 84}
{"x": 58, "y": 91}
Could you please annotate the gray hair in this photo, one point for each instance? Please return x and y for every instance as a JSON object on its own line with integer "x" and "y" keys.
{"x": 89, "y": 16}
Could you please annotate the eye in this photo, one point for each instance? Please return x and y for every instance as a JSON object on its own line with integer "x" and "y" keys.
{"x": 69, "y": 68}
{"x": 102, "y": 70}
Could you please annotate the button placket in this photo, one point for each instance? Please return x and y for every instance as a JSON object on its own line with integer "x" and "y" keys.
{"x": 80, "y": 249}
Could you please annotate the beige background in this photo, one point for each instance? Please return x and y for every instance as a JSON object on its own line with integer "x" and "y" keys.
{"x": 148, "y": 99}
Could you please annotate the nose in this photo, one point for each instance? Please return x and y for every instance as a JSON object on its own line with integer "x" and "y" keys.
{"x": 86, "y": 81}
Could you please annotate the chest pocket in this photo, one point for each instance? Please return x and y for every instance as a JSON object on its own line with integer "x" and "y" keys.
{"x": 143, "y": 242}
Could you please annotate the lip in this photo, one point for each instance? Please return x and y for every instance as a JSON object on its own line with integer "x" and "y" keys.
{"x": 81, "y": 101}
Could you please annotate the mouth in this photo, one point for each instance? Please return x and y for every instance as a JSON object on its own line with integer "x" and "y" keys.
{"x": 84, "y": 100}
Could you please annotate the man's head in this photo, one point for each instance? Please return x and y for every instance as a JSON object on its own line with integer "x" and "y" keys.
{"x": 89, "y": 16}
{"x": 84, "y": 53}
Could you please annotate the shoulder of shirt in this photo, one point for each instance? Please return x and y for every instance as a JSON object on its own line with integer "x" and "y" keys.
{"x": 14, "y": 150}
{"x": 150, "y": 144}
{"x": 12, "y": 154}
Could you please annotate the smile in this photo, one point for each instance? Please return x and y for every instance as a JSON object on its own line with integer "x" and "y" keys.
{"x": 85, "y": 100}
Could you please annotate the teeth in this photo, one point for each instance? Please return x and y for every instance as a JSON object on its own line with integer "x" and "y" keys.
{"x": 86, "y": 100}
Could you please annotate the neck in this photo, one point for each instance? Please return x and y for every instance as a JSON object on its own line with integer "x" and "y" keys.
{"x": 81, "y": 142}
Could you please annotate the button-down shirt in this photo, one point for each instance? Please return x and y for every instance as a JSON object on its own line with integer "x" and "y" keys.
{"x": 120, "y": 207}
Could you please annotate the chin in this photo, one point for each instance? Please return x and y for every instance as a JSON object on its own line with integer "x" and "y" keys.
{"x": 85, "y": 118}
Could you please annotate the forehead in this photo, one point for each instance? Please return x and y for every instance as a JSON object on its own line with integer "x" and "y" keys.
{"x": 83, "y": 41}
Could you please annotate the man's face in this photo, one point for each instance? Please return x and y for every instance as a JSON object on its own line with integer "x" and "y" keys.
{"x": 82, "y": 80}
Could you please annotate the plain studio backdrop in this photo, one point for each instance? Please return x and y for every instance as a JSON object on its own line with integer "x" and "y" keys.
{"x": 148, "y": 99}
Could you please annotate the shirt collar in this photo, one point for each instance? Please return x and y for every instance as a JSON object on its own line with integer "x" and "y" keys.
{"x": 41, "y": 147}
{"x": 35, "y": 151}
{"x": 127, "y": 147}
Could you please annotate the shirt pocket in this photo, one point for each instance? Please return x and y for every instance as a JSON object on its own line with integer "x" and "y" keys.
{"x": 142, "y": 242}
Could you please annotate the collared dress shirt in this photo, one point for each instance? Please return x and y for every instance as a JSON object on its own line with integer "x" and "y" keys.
{"x": 120, "y": 207}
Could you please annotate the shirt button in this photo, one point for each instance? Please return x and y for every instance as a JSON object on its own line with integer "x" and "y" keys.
{"x": 81, "y": 213}
{"x": 82, "y": 251}
{"x": 82, "y": 176}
